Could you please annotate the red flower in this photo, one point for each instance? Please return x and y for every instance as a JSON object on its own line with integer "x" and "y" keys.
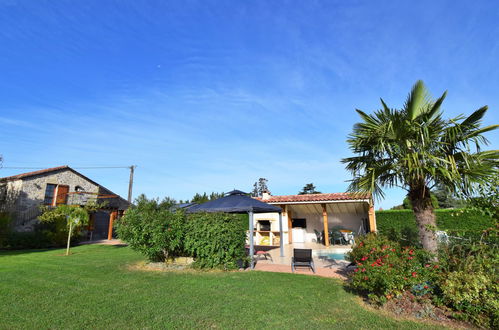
{"x": 361, "y": 244}
{"x": 363, "y": 269}
{"x": 411, "y": 252}
{"x": 393, "y": 250}
{"x": 405, "y": 278}
{"x": 356, "y": 270}
{"x": 426, "y": 266}
{"x": 364, "y": 258}
{"x": 414, "y": 274}
{"x": 436, "y": 266}
{"x": 359, "y": 264}
{"x": 366, "y": 278}
{"x": 426, "y": 286}
{"x": 410, "y": 258}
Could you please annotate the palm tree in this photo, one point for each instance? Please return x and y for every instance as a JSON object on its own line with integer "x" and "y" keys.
{"x": 415, "y": 148}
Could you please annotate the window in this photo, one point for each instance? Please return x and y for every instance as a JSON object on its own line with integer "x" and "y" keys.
{"x": 56, "y": 194}
{"x": 49, "y": 194}
{"x": 264, "y": 225}
{"x": 299, "y": 223}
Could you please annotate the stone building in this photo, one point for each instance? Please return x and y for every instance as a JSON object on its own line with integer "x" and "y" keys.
{"x": 22, "y": 195}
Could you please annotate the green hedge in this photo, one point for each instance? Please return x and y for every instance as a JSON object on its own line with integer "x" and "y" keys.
{"x": 455, "y": 222}
{"x": 216, "y": 240}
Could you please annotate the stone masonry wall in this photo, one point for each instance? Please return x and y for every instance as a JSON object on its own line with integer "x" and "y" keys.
{"x": 32, "y": 194}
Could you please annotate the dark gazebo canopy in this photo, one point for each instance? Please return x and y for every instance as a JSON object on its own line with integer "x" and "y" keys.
{"x": 235, "y": 201}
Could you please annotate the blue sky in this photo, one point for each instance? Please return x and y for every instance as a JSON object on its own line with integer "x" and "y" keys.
{"x": 212, "y": 95}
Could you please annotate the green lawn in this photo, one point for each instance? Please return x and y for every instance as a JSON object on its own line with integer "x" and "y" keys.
{"x": 94, "y": 288}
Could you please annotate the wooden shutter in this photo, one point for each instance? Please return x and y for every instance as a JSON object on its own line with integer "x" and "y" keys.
{"x": 62, "y": 195}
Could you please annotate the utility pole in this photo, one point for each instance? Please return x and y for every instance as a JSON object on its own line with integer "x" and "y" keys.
{"x": 130, "y": 183}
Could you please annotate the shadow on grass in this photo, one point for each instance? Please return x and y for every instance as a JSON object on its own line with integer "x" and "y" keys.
{"x": 27, "y": 251}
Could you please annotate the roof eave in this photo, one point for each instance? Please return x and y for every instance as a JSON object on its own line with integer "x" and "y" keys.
{"x": 322, "y": 202}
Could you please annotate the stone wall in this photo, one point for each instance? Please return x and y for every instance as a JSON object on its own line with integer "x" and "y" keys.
{"x": 32, "y": 194}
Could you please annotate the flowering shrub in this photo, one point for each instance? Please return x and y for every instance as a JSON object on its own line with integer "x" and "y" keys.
{"x": 469, "y": 281}
{"x": 386, "y": 270}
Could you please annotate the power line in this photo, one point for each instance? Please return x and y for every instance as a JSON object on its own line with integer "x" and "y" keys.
{"x": 43, "y": 167}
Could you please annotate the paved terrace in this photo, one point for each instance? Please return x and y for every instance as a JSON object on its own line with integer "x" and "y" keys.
{"x": 324, "y": 266}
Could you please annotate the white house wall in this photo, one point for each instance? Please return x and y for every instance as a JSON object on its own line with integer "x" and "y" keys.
{"x": 344, "y": 215}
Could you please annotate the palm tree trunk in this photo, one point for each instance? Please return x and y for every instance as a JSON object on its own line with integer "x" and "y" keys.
{"x": 425, "y": 218}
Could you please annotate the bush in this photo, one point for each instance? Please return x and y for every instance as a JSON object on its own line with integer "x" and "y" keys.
{"x": 155, "y": 232}
{"x": 465, "y": 278}
{"x": 386, "y": 270}
{"x": 469, "y": 282}
{"x": 216, "y": 240}
{"x": 44, "y": 235}
{"x": 475, "y": 295}
{"x": 470, "y": 224}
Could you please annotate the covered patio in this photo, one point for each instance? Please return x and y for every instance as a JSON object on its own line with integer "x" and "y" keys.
{"x": 323, "y": 219}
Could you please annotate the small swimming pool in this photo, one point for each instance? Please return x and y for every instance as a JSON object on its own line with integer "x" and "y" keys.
{"x": 335, "y": 256}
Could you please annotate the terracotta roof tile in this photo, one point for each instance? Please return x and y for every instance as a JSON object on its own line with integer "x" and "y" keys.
{"x": 315, "y": 197}
{"x": 28, "y": 174}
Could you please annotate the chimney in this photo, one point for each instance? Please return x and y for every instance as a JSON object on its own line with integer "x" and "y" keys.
{"x": 266, "y": 195}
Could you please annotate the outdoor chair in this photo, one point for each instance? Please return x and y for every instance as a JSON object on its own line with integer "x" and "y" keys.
{"x": 302, "y": 258}
{"x": 318, "y": 234}
{"x": 338, "y": 237}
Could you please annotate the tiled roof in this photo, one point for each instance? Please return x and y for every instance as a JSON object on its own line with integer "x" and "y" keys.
{"x": 315, "y": 198}
{"x": 28, "y": 174}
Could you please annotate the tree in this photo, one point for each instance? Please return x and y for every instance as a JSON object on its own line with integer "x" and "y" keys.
{"x": 254, "y": 192}
{"x": 309, "y": 188}
{"x": 199, "y": 199}
{"x": 415, "y": 148}
{"x": 260, "y": 187}
{"x": 446, "y": 199}
{"x": 153, "y": 228}
{"x": 486, "y": 199}
{"x": 407, "y": 204}
{"x": 74, "y": 215}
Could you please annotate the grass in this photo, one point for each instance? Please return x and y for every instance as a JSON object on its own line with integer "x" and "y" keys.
{"x": 95, "y": 288}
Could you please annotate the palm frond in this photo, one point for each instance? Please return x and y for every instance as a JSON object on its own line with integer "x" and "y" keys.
{"x": 475, "y": 117}
{"x": 436, "y": 106}
{"x": 416, "y": 100}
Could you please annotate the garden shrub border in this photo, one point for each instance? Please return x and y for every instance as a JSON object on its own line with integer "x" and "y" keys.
{"x": 456, "y": 222}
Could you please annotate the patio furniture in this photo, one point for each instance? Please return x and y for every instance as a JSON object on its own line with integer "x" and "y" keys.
{"x": 302, "y": 258}
{"x": 348, "y": 236}
{"x": 319, "y": 236}
{"x": 338, "y": 237}
{"x": 264, "y": 254}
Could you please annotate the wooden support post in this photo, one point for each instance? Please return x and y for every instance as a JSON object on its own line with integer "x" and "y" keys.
{"x": 281, "y": 238}
{"x": 372, "y": 219}
{"x": 326, "y": 226}
{"x": 112, "y": 216}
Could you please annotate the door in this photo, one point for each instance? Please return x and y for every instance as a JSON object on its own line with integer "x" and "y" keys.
{"x": 299, "y": 230}
{"x": 62, "y": 195}
{"x": 298, "y": 235}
